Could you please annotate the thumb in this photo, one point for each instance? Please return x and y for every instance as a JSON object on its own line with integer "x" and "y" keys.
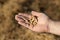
{"x": 35, "y": 13}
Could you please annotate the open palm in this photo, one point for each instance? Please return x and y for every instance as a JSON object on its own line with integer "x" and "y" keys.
{"x": 42, "y": 24}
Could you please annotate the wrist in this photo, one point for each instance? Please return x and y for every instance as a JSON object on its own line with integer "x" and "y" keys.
{"x": 51, "y": 26}
{"x": 47, "y": 28}
{"x": 54, "y": 27}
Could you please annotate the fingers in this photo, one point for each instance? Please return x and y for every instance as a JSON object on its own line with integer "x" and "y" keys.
{"x": 29, "y": 26}
{"x": 21, "y": 22}
{"x": 35, "y": 13}
{"x": 26, "y": 15}
{"x": 21, "y": 18}
{"x": 17, "y": 18}
{"x": 25, "y": 25}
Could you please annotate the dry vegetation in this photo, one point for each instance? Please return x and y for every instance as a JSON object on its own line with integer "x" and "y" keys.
{"x": 11, "y": 30}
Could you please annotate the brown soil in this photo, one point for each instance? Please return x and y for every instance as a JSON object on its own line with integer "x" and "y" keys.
{"x": 11, "y": 30}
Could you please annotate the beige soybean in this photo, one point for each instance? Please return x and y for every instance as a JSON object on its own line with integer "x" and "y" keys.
{"x": 33, "y": 21}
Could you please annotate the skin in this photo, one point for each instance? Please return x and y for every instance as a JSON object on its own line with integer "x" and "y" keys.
{"x": 44, "y": 24}
{"x": 54, "y": 27}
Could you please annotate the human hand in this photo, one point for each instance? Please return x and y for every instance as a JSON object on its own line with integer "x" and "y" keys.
{"x": 42, "y": 23}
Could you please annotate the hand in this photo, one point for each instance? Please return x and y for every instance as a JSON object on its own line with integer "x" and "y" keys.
{"x": 42, "y": 24}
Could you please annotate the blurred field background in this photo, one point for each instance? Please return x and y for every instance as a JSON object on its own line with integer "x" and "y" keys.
{"x": 11, "y": 30}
